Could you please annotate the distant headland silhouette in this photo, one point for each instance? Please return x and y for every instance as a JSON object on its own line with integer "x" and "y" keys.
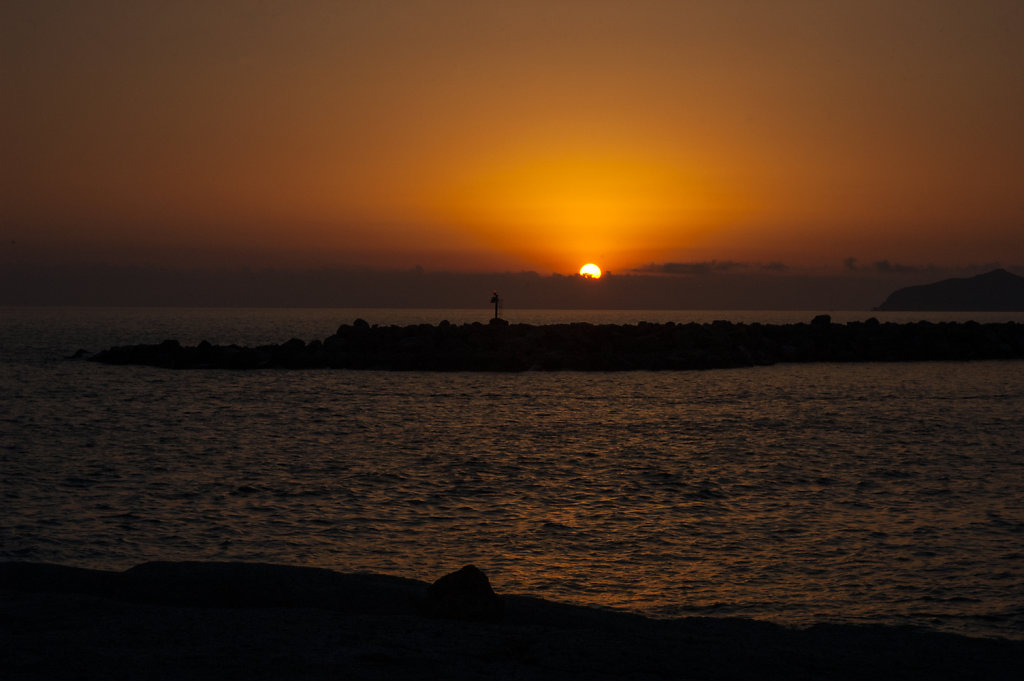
{"x": 499, "y": 346}
{"x": 997, "y": 290}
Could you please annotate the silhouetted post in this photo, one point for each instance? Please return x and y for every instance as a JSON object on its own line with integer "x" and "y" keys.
{"x": 497, "y": 301}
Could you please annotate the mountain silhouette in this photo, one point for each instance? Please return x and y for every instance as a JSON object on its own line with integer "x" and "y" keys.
{"x": 997, "y": 290}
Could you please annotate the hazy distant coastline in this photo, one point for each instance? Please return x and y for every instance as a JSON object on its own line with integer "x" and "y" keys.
{"x": 997, "y": 290}
{"x": 673, "y": 286}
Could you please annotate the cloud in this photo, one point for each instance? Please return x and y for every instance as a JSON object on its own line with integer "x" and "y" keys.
{"x": 886, "y": 267}
{"x": 695, "y": 268}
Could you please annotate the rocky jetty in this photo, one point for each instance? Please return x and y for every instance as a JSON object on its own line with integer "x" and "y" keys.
{"x": 997, "y": 290}
{"x": 589, "y": 347}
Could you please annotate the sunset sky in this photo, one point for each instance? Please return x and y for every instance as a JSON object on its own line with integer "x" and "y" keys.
{"x": 514, "y": 135}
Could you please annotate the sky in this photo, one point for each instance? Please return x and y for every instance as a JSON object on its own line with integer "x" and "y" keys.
{"x": 511, "y": 136}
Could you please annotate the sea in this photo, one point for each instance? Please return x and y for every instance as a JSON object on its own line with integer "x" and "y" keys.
{"x": 870, "y": 493}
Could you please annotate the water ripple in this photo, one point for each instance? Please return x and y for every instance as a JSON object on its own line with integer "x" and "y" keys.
{"x": 800, "y": 494}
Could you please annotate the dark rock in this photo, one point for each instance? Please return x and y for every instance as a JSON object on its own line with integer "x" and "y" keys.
{"x": 257, "y": 621}
{"x": 463, "y": 595}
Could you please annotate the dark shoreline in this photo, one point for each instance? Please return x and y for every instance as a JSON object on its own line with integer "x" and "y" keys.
{"x": 254, "y": 621}
{"x": 499, "y": 346}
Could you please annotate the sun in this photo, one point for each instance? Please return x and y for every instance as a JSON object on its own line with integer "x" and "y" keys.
{"x": 590, "y": 271}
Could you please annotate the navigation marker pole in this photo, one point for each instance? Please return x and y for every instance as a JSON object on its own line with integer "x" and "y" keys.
{"x": 497, "y": 301}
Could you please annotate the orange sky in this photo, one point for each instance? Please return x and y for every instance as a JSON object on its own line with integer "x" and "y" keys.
{"x": 515, "y": 135}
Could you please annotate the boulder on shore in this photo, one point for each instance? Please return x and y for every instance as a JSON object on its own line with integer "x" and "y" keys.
{"x": 463, "y": 595}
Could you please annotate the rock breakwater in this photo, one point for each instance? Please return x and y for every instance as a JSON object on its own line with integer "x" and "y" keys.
{"x": 588, "y": 347}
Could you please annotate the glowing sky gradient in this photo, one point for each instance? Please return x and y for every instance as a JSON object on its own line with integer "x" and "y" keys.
{"x": 541, "y": 135}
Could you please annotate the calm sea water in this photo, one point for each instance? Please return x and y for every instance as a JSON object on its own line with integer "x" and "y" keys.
{"x": 870, "y": 493}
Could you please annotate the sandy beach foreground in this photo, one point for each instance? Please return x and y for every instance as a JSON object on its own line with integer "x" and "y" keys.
{"x": 255, "y": 621}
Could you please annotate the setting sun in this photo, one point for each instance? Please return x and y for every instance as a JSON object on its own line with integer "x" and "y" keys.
{"x": 590, "y": 271}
